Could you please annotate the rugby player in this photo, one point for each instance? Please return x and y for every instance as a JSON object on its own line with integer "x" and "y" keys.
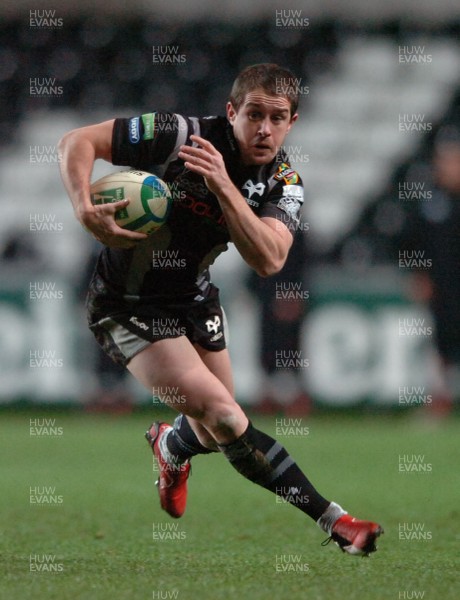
{"x": 162, "y": 319}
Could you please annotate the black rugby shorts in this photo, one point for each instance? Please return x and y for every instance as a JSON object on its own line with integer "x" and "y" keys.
{"x": 124, "y": 333}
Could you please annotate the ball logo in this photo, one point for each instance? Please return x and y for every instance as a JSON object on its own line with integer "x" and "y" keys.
{"x": 134, "y": 130}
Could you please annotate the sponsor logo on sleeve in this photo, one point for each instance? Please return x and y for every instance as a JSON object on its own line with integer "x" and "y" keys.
{"x": 148, "y": 120}
{"x": 287, "y": 174}
{"x": 134, "y": 135}
{"x": 291, "y": 200}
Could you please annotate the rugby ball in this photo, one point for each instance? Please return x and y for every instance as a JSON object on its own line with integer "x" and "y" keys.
{"x": 150, "y": 199}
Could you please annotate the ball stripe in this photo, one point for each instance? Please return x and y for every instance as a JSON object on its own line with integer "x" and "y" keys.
{"x": 144, "y": 220}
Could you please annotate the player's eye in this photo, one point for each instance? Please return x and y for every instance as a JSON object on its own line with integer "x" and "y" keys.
{"x": 253, "y": 116}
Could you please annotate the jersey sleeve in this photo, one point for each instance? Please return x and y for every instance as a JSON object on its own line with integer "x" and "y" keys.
{"x": 285, "y": 198}
{"x": 150, "y": 139}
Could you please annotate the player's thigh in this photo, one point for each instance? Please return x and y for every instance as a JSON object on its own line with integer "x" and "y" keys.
{"x": 174, "y": 366}
{"x": 219, "y": 364}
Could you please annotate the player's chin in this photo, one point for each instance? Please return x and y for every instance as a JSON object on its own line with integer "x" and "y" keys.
{"x": 260, "y": 157}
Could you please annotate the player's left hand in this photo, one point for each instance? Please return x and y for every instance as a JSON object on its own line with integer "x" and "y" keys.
{"x": 206, "y": 161}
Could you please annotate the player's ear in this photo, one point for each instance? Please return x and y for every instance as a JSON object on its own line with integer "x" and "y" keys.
{"x": 231, "y": 113}
{"x": 292, "y": 121}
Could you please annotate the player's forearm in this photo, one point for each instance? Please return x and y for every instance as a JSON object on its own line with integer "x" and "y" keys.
{"x": 79, "y": 149}
{"x": 77, "y": 160}
{"x": 260, "y": 246}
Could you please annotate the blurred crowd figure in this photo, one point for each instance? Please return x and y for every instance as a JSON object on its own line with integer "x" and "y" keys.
{"x": 283, "y": 310}
{"x": 433, "y": 226}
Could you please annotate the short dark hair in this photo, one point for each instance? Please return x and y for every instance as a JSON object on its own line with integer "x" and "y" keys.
{"x": 273, "y": 79}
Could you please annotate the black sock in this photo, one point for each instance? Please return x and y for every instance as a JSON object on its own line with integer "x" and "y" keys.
{"x": 182, "y": 442}
{"x": 261, "y": 459}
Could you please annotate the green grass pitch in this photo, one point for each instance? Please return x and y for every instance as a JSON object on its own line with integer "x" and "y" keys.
{"x": 102, "y": 536}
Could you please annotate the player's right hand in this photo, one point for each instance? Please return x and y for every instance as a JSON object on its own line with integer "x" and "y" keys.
{"x": 100, "y": 221}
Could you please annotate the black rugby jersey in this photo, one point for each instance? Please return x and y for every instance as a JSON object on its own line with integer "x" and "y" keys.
{"x": 174, "y": 261}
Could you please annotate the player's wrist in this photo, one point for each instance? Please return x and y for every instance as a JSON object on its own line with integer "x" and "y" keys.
{"x": 85, "y": 213}
{"x": 227, "y": 192}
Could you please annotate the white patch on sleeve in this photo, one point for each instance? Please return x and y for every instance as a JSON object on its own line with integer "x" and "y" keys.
{"x": 291, "y": 201}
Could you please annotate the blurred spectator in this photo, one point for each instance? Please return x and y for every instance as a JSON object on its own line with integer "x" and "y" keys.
{"x": 283, "y": 300}
{"x": 18, "y": 249}
{"x": 434, "y": 227}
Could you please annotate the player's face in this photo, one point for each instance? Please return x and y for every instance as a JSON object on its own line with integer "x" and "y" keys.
{"x": 260, "y": 126}
{"x": 447, "y": 167}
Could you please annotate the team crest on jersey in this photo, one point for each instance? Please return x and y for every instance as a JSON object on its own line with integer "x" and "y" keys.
{"x": 287, "y": 174}
{"x": 291, "y": 200}
{"x": 253, "y": 188}
{"x": 213, "y": 326}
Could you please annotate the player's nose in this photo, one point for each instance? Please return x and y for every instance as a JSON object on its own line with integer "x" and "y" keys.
{"x": 264, "y": 128}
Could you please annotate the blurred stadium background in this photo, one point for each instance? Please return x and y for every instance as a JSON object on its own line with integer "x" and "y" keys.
{"x": 365, "y": 69}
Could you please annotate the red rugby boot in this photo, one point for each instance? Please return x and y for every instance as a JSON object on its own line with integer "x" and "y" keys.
{"x": 172, "y": 482}
{"x": 354, "y": 536}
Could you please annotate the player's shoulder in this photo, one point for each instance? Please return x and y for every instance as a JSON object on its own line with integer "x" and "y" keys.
{"x": 219, "y": 132}
{"x": 213, "y": 121}
{"x": 213, "y": 126}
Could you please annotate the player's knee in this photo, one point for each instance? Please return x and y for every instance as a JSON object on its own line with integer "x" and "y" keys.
{"x": 208, "y": 442}
{"x": 219, "y": 414}
{"x": 225, "y": 424}
{"x": 216, "y": 417}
